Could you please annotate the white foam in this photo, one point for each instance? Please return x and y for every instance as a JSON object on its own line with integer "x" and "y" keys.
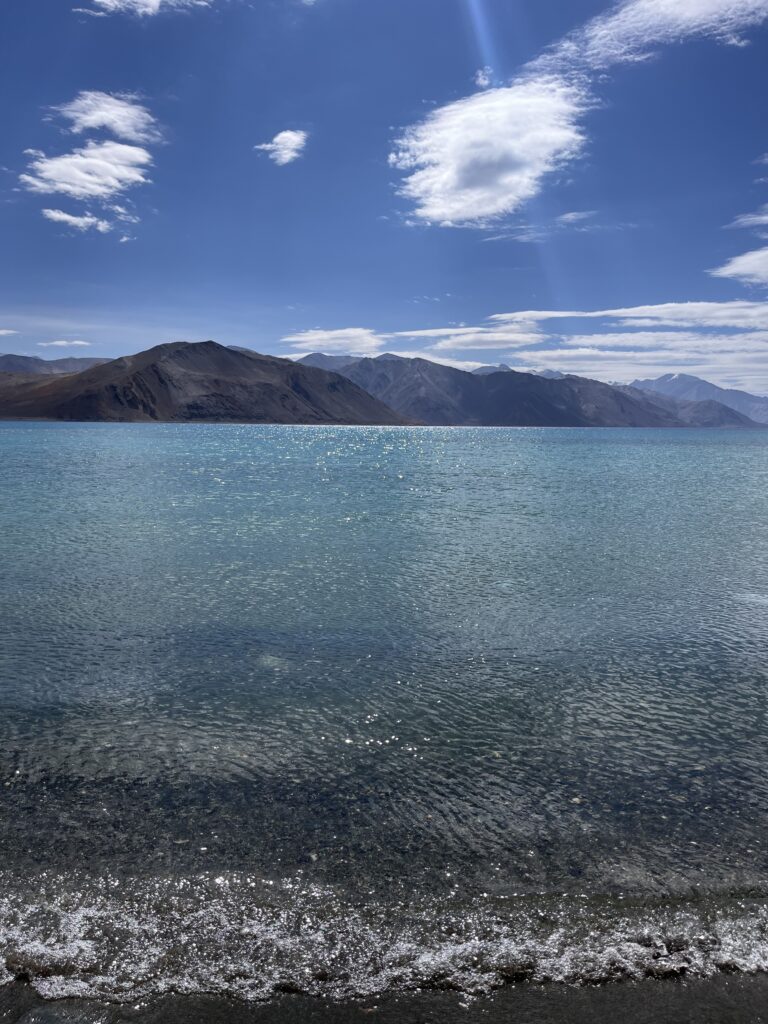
{"x": 244, "y": 937}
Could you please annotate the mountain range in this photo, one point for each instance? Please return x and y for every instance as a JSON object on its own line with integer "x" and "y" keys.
{"x": 202, "y": 382}
{"x": 438, "y": 395}
{"x": 208, "y": 382}
{"x": 684, "y": 387}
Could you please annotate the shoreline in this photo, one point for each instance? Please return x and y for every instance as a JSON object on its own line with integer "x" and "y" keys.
{"x": 757, "y": 428}
{"x": 722, "y": 999}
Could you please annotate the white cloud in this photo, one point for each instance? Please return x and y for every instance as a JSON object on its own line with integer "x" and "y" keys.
{"x": 576, "y": 217}
{"x": 61, "y": 343}
{"x": 354, "y": 341}
{"x": 434, "y": 332}
{"x": 740, "y": 314}
{"x": 98, "y": 170}
{"x": 142, "y": 8}
{"x": 686, "y": 341}
{"x": 726, "y": 342}
{"x": 749, "y": 268}
{"x": 285, "y": 147}
{"x": 481, "y": 158}
{"x": 123, "y": 214}
{"x": 758, "y": 219}
{"x": 635, "y": 27}
{"x": 121, "y": 114}
{"x": 747, "y": 369}
{"x": 5, "y": 332}
{"x": 484, "y": 77}
{"x": 87, "y": 222}
{"x": 362, "y": 341}
{"x": 145, "y": 7}
{"x": 478, "y": 338}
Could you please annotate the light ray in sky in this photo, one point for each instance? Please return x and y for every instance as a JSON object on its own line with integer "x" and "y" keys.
{"x": 478, "y": 17}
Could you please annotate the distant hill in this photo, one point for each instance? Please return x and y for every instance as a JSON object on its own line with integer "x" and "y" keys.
{"x": 441, "y": 395}
{"x": 185, "y": 382}
{"x": 695, "y": 414}
{"x": 427, "y": 392}
{"x": 497, "y": 395}
{"x": 36, "y": 365}
{"x": 687, "y": 388}
{"x": 549, "y": 374}
{"x": 483, "y": 371}
{"x": 324, "y": 362}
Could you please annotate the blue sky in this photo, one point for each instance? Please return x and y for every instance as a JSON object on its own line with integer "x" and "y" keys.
{"x": 346, "y": 175}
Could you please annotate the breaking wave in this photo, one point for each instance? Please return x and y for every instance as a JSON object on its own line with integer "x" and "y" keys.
{"x": 245, "y": 937}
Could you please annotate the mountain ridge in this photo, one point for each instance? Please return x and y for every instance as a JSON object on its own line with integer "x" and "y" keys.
{"x": 439, "y": 395}
{"x": 194, "y": 382}
{"x": 208, "y": 382}
{"x": 686, "y": 387}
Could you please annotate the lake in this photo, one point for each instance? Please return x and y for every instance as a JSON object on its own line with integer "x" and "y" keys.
{"x": 352, "y": 712}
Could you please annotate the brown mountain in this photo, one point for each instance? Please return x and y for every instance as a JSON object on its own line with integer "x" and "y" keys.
{"x": 202, "y": 382}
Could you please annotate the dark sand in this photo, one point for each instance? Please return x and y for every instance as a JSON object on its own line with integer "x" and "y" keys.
{"x": 726, "y": 999}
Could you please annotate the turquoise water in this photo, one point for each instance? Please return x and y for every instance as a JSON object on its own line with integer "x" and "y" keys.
{"x": 353, "y": 710}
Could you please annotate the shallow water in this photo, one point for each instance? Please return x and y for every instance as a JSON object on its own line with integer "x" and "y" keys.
{"x": 358, "y": 711}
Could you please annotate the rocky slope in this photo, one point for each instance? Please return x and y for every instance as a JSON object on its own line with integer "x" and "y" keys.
{"x": 202, "y": 382}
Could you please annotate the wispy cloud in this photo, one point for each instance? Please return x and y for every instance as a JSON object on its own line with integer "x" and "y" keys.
{"x": 740, "y": 314}
{"x": 576, "y": 217}
{"x": 355, "y": 341}
{"x": 577, "y": 220}
{"x": 724, "y": 341}
{"x": 286, "y": 147}
{"x": 360, "y": 341}
{"x": 484, "y": 77}
{"x": 478, "y": 159}
{"x": 671, "y": 341}
{"x": 87, "y": 222}
{"x": 142, "y": 7}
{"x": 758, "y": 219}
{"x": 5, "y": 332}
{"x": 123, "y": 214}
{"x": 633, "y": 29}
{"x": 476, "y": 338}
{"x": 64, "y": 343}
{"x": 146, "y": 8}
{"x": 122, "y": 114}
{"x": 98, "y": 170}
{"x": 749, "y": 268}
